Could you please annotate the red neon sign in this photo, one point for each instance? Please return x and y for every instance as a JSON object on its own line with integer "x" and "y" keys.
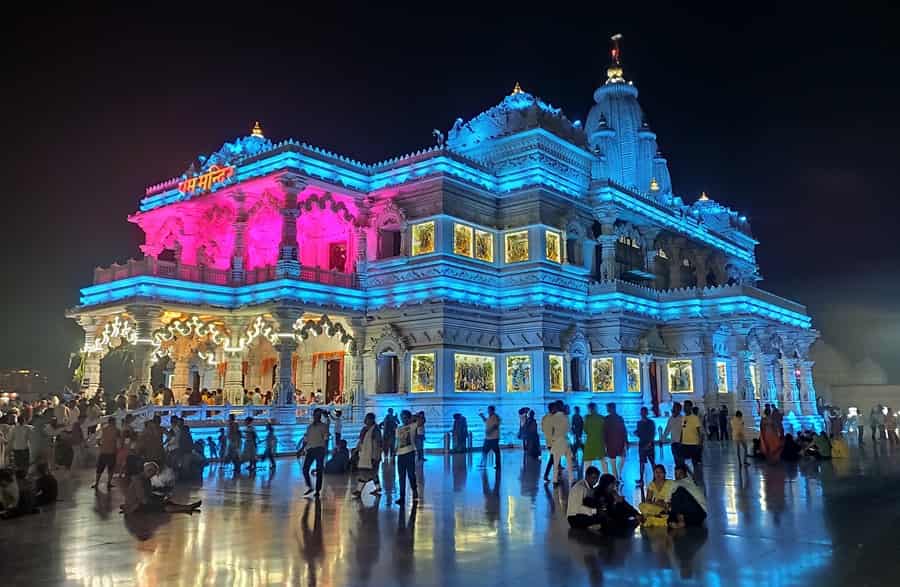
{"x": 205, "y": 182}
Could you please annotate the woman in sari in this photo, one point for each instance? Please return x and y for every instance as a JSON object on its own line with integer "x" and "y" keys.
{"x": 771, "y": 436}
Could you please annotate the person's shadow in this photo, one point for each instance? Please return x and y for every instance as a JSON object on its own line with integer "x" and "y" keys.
{"x": 491, "y": 497}
{"x": 144, "y": 525}
{"x": 312, "y": 545}
{"x": 367, "y": 538}
{"x": 686, "y": 543}
{"x": 404, "y": 551}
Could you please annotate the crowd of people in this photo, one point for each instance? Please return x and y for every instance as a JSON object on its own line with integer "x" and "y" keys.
{"x": 591, "y": 448}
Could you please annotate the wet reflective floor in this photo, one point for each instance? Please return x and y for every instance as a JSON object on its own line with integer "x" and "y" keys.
{"x": 829, "y": 523}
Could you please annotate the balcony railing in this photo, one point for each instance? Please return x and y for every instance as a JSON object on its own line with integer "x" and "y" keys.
{"x": 200, "y": 274}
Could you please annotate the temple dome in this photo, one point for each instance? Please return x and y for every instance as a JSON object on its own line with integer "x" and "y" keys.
{"x": 617, "y": 130}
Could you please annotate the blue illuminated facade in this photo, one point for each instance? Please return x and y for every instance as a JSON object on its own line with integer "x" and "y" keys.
{"x": 523, "y": 258}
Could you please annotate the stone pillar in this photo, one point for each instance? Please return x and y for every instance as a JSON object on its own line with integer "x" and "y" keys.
{"x": 180, "y": 377}
{"x": 288, "y": 265}
{"x": 768, "y": 380}
{"x": 807, "y": 387}
{"x": 646, "y": 390}
{"x": 90, "y": 369}
{"x": 287, "y": 344}
{"x": 146, "y": 319}
{"x": 789, "y": 390}
{"x": 358, "y": 377}
{"x": 234, "y": 387}
{"x": 90, "y": 374}
{"x": 238, "y": 273}
{"x": 701, "y": 268}
{"x": 608, "y": 266}
{"x": 674, "y": 268}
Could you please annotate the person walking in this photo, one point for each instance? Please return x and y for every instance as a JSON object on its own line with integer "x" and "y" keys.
{"x": 692, "y": 438}
{"x": 314, "y": 445}
{"x": 271, "y": 446}
{"x": 577, "y": 431}
{"x": 723, "y": 423}
{"x": 338, "y": 419}
{"x": 389, "y": 431}
{"x": 234, "y": 443}
{"x": 739, "y": 434}
{"x": 370, "y": 448}
{"x": 20, "y": 443}
{"x": 595, "y": 443}
{"x": 106, "y": 460}
{"x": 646, "y": 435}
{"x": 616, "y": 441}
{"x": 406, "y": 456}
{"x": 557, "y": 436}
{"x": 547, "y": 431}
{"x": 673, "y": 432}
{"x": 491, "y": 436}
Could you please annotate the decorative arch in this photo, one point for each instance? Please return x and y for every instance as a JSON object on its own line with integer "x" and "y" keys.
{"x": 324, "y": 325}
{"x": 121, "y": 328}
{"x": 194, "y": 327}
{"x": 389, "y": 215}
{"x": 260, "y": 327}
{"x": 388, "y": 340}
{"x": 626, "y": 229}
{"x": 323, "y": 201}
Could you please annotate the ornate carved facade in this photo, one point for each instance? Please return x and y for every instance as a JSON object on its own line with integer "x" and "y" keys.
{"x": 524, "y": 257}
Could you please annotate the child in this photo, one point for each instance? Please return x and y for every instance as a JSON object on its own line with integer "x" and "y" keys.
{"x": 213, "y": 451}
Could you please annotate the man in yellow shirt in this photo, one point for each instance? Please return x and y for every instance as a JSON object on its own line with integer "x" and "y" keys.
{"x": 692, "y": 437}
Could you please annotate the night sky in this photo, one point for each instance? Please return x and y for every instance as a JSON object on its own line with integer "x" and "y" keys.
{"x": 789, "y": 118}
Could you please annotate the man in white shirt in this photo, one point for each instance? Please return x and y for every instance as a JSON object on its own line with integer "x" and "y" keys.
{"x": 20, "y": 443}
{"x": 315, "y": 443}
{"x": 673, "y": 431}
{"x": 581, "y": 510}
{"x": 557, "y": 436}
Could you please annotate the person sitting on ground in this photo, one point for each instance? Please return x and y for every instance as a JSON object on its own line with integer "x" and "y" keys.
{"x": 687, "y": 506}
{"x": 820, "y": 448}
{"x": 655, "y": 507}
{"x": 19, "y": 492}
{"x": 791, "y": 450}
{"x": 140, "y": 498}
{"x": 339, "y": 462}
{"x": 46, "y": 488}
{"x": 582, "y": 509}
{"x": 619, "y": 516}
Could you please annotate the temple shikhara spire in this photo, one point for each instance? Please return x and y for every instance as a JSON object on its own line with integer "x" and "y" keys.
{"x": 522, "y": 255}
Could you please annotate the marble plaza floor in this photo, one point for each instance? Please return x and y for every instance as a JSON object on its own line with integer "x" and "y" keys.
{"x": 833, "y": 523}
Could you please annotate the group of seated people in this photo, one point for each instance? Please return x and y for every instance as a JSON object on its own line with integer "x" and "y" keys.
{"x": 595, "y": 503}
{"x": 22, "y": 494}
{"x": 142, "y": 497}
{"x": 808, "y": 443}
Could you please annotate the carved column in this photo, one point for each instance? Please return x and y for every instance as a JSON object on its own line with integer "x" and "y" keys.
{"x": 807, "y": 387}
{"x": 789, "y": 389}
{"x": 288, "y": 265}
{"x": 90, "y": 370}
{"x": 608, "y": 266}
{"x": 768, "y": 380}
{"x": 286, "y": 316}
{"x": 146, "y": 320}
{"x": 357, "y": 382}
{"x": 234, "y": 385}
{"x": 646, "y": 390}
{"x": 674, "y": 268}
{"x": 700, "y": 267}
{"x": 237, "y": 259}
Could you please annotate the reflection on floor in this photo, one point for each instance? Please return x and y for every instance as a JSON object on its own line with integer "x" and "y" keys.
{"x": 814, "y": 524}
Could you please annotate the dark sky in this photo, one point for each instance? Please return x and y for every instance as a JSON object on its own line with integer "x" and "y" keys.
{"x": 788, "y": 117}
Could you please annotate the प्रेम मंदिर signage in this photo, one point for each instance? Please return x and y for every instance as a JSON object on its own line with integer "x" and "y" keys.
{"x": 205, "y": 182}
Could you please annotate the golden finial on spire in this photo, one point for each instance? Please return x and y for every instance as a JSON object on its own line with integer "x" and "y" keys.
{"x": 517, "y": 90}
{"x": 257, "y": 131}
{"x": 614, "y": 73}
{"x": 654, "y": 185}
{"x": 704, "y": 197}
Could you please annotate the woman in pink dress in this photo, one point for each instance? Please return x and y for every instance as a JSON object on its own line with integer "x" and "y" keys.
{"x": 771, "y": 435}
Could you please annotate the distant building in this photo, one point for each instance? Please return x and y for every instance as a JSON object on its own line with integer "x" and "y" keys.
{"x": 27, "y": 383}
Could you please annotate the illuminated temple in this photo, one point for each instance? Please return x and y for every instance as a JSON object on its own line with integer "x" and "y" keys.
{"x": 523, "y": 258}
